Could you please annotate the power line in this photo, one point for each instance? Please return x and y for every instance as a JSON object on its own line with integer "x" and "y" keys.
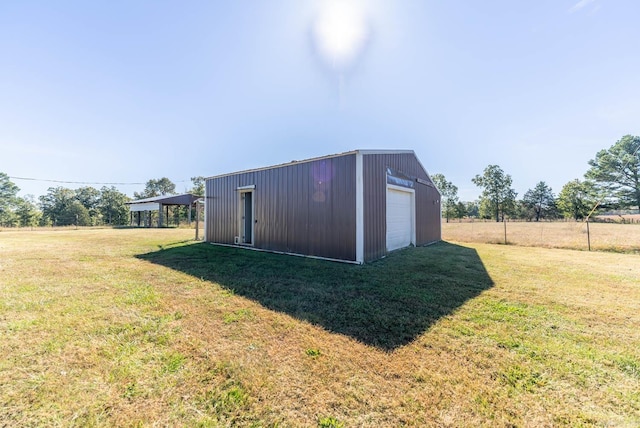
{"x": 70, "y": 182}
{"x": 83, "y": 182}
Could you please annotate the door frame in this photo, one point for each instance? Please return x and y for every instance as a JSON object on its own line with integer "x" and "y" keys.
{"x": 242, "y": 192}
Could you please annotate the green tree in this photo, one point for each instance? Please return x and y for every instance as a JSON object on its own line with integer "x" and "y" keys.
{"x": 497, "y": 195}
{"x": 523, "y": 211}
{"x": 60, "y": 207}
{"x": 64, "y": 207}
{"x": 159, "y": 187}
{"x": 8, "y": 200}
{"x": 616, "y": 171}
{"x": 198, "y": 185}
{"x": 472, "y": 209}
{"x": 89, "y": 197}
{"x": 75, "y": 214}
{"x": 448, "y": 193}
{"x": 540, "y": 200}
{"x": 27, "y": 212}
{"x": 460, "y": 210}
{"x": 577, "y": 199}
{"x": 485, "y": 209}
{"x": 112, "y": 206}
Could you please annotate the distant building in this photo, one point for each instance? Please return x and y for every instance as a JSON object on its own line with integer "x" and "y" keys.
{"x": 142, "y": 210}
{"x": 354, "y": 206}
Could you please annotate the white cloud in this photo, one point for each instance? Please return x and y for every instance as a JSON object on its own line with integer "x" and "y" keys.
{"x": 580, "y": 5}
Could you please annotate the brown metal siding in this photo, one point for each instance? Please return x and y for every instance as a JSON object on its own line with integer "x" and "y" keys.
{"x": 304, "y": 208}
{"x": 375, "y": 209}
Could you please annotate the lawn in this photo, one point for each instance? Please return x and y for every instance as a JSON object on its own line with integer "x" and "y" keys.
{"x": 146, "y": 327}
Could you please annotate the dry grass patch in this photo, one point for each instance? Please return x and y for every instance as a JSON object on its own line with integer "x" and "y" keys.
{"x": 144, "y": 327}
{"x": 569, "y": 235}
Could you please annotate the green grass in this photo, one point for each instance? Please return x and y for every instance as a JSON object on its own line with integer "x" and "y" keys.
{"x": 145, "y": 327}
{"x": 386, "y": 304}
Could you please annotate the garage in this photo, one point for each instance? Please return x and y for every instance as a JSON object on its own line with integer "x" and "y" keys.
{"x": 400, "y": 218}
{"x": 354, "y": 206}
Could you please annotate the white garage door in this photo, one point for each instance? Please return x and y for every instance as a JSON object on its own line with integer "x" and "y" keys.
{"x": 399, "y": 219}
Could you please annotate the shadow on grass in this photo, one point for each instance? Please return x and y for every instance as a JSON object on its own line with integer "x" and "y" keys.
{"x": 386, "y": 304}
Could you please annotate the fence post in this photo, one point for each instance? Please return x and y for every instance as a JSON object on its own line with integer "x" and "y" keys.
{"x": 588, "y": 236}
{"x": 504, "y": 220}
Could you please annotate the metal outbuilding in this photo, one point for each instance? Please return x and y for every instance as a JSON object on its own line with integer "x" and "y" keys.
{"x": 354, "y": 206}
{"x": 159, "y": 203}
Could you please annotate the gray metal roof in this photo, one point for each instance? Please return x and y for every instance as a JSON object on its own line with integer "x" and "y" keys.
{"x": 294, "y": 162}
{"x": 184, "y": 199}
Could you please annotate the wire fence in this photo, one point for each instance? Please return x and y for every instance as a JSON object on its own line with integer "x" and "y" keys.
{"x": 600, "y": 236}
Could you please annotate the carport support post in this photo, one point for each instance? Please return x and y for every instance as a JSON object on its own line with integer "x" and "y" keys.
{"x": 197, "y": 220}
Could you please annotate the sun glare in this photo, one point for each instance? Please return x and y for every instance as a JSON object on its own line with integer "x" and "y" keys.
{"x": 340, "y": 32}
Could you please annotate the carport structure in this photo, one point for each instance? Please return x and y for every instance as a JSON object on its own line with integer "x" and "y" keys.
{"x": 146, "y": 207}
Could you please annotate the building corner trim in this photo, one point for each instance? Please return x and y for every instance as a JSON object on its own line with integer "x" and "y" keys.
{"x": 206, "y": 198}
{"x": 359, "y": 208}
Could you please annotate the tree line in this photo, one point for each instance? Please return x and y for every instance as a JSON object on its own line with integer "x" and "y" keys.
{"x": 611, "y": 182}
{"x": 84, "y": 206}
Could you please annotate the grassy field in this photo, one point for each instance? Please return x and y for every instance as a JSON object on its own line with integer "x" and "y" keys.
{"x": 146, "y": 327}
{"x": 569, "y": 235}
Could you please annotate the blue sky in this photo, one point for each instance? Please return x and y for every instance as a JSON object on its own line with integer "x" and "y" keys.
{"x": 128, "y": 91}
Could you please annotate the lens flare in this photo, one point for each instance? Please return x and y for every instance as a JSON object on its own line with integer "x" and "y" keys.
{"x": 340, "y": 32}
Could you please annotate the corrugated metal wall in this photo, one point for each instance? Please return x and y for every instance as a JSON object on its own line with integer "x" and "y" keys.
{"x": 304, "y": 208}
{"x": 428, "y": 228}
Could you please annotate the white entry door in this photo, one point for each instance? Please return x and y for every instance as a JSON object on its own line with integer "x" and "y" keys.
{"x": 400, "y": 218}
